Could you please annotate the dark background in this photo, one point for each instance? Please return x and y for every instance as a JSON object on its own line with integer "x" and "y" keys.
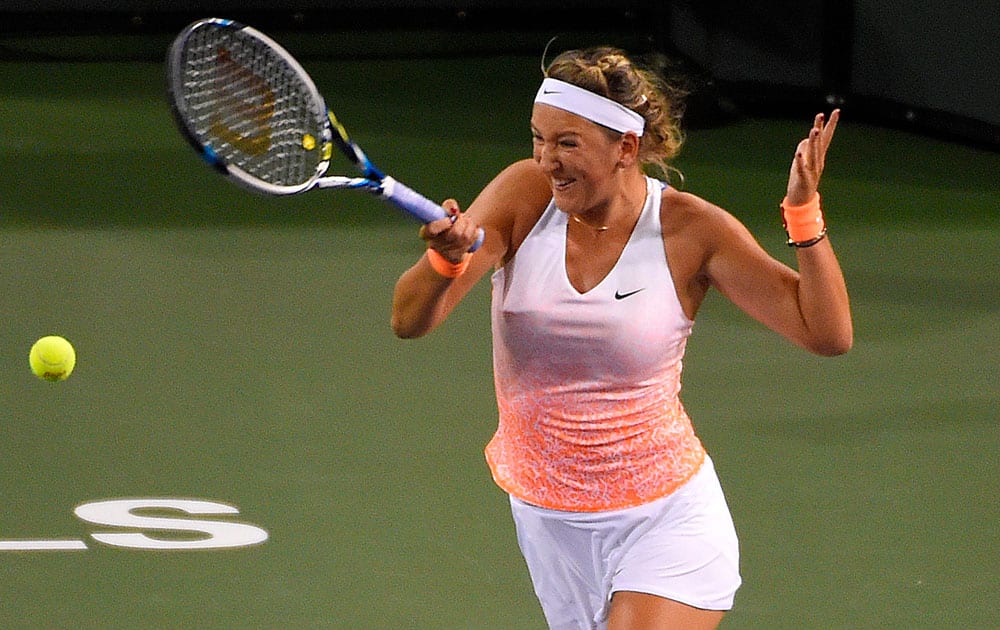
{"x": 922, "y": 65}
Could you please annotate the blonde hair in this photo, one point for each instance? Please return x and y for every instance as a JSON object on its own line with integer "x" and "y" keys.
{"x": 609, "y": 71}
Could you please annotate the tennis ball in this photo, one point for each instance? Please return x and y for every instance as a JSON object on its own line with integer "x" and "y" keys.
{"x": 52, "y": 358}
{"x": 308, "y": 142}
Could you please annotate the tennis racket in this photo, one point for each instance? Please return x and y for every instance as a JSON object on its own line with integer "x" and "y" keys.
{"x": 254, "y": 114}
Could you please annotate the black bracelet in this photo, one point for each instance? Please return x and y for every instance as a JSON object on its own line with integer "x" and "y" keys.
{"x": 808, "y": 243}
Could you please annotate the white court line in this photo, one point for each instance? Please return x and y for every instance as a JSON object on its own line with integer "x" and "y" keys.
{"x": 42, "y": 545}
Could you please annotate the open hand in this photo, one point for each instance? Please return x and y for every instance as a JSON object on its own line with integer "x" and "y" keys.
{"x": 810, "y": 157}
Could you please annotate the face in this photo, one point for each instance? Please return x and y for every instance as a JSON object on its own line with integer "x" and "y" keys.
{"x": 580, "y": 158}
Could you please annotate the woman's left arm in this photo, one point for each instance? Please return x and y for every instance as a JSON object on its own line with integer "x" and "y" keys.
{"x": 810, "y": 306}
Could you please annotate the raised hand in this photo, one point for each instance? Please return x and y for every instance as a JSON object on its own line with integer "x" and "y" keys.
{"x": 810, "y": 158}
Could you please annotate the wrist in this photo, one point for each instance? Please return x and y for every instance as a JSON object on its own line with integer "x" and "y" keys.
{"x": 444, "y": 267}
{"x": 804, "y": 223}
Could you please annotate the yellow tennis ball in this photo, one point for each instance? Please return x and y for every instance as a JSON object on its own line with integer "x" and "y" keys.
{"x": 308, "y": 142}
{"x": 52, "y": 358}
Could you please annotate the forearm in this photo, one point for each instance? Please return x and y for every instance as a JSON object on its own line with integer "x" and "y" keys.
{"x": 419, "y": 302}
{"x": 820, "y": 290}
{"x": 823, "y": 300}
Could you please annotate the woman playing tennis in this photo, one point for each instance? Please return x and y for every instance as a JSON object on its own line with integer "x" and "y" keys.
{"x": 598, "y": 272}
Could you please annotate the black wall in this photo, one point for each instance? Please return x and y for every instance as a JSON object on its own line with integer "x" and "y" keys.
{"x": 929, "y": 65}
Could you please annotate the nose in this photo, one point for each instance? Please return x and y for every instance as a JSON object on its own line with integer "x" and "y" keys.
{"x": 546, "y": 157}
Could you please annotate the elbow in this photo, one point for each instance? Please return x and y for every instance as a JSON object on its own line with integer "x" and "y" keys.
{"x": 407, "y": 334}
{"x": 834, "y": 349}
{"x": 403, "y": 330}
{"x": 403, "y": 322}
{"x": 834, "y": 346}
{"x": 408, "y": 328}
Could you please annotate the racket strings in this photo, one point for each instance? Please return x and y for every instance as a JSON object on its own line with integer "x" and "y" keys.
{"x": 249, "y": 106}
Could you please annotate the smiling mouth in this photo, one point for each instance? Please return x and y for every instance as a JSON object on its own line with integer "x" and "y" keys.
{"x": 560, "y": 185}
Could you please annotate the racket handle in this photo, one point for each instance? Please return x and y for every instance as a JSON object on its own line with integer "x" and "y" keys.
{"x": 418, "y": 206}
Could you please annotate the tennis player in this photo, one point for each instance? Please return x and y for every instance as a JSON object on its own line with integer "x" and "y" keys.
{"x": 598, "y": 271}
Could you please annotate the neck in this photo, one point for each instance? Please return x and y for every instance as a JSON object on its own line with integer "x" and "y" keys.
{"x": 619, "y": 213}
{"x": 596, "y": 228}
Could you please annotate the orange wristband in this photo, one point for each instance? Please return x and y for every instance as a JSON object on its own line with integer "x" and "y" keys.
{"x": 804, "y": 224}
{"x": 445, "y": 267}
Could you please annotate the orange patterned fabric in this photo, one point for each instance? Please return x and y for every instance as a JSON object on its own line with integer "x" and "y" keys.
{"x": 597, "y": 454}
{"x": 588, "y": 384}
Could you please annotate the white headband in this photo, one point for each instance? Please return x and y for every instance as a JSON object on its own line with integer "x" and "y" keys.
{"x": 589, "y": 105}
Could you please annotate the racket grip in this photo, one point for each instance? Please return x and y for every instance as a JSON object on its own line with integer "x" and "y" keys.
{"x": 418, "y": 206}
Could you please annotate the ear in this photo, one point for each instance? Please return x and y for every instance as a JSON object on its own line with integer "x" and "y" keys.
{"x": 628, "y": 149}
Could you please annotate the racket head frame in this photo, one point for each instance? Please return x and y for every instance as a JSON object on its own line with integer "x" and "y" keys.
{"x": 182, "y": 111}
{"x": 328, "y": 130}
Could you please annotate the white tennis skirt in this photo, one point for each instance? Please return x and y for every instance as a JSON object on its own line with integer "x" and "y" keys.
{"x": 682, "y": 547}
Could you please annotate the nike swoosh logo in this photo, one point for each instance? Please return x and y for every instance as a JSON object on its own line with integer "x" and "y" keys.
{"x": 621, "y": 296}
{"x": 551, "y": 92}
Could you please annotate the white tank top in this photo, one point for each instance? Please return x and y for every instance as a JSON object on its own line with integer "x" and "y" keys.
{"x": 587, "y": 383}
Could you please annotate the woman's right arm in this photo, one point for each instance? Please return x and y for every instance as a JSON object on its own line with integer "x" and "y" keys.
{"x": 505, "y": 210}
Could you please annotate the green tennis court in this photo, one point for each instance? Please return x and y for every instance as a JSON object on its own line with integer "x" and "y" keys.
{"x": 235, "y": 349}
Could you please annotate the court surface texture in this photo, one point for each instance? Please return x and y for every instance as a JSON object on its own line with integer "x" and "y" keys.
{"x": 235, "y": 357}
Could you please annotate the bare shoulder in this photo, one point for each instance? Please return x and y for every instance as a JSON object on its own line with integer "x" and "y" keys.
{"x": 688, "y": 215}
{"x": 695, "y": 231}
{"x": 512, "y": 202}
{"x": 518, "y": 185}
{"x": 523, "y": 172}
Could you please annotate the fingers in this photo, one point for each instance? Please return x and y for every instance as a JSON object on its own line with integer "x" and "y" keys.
{"x": 831, "y": 126}
{"x": 432, "y": 230}
{"x": 810, "y": 158}
{"x": 820, "y": 137}
{"x": 823, "y": 129}
{"x": 804, "y": 157}
{"x": 451, "y": 236}
{"x": 816, "y": 148}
